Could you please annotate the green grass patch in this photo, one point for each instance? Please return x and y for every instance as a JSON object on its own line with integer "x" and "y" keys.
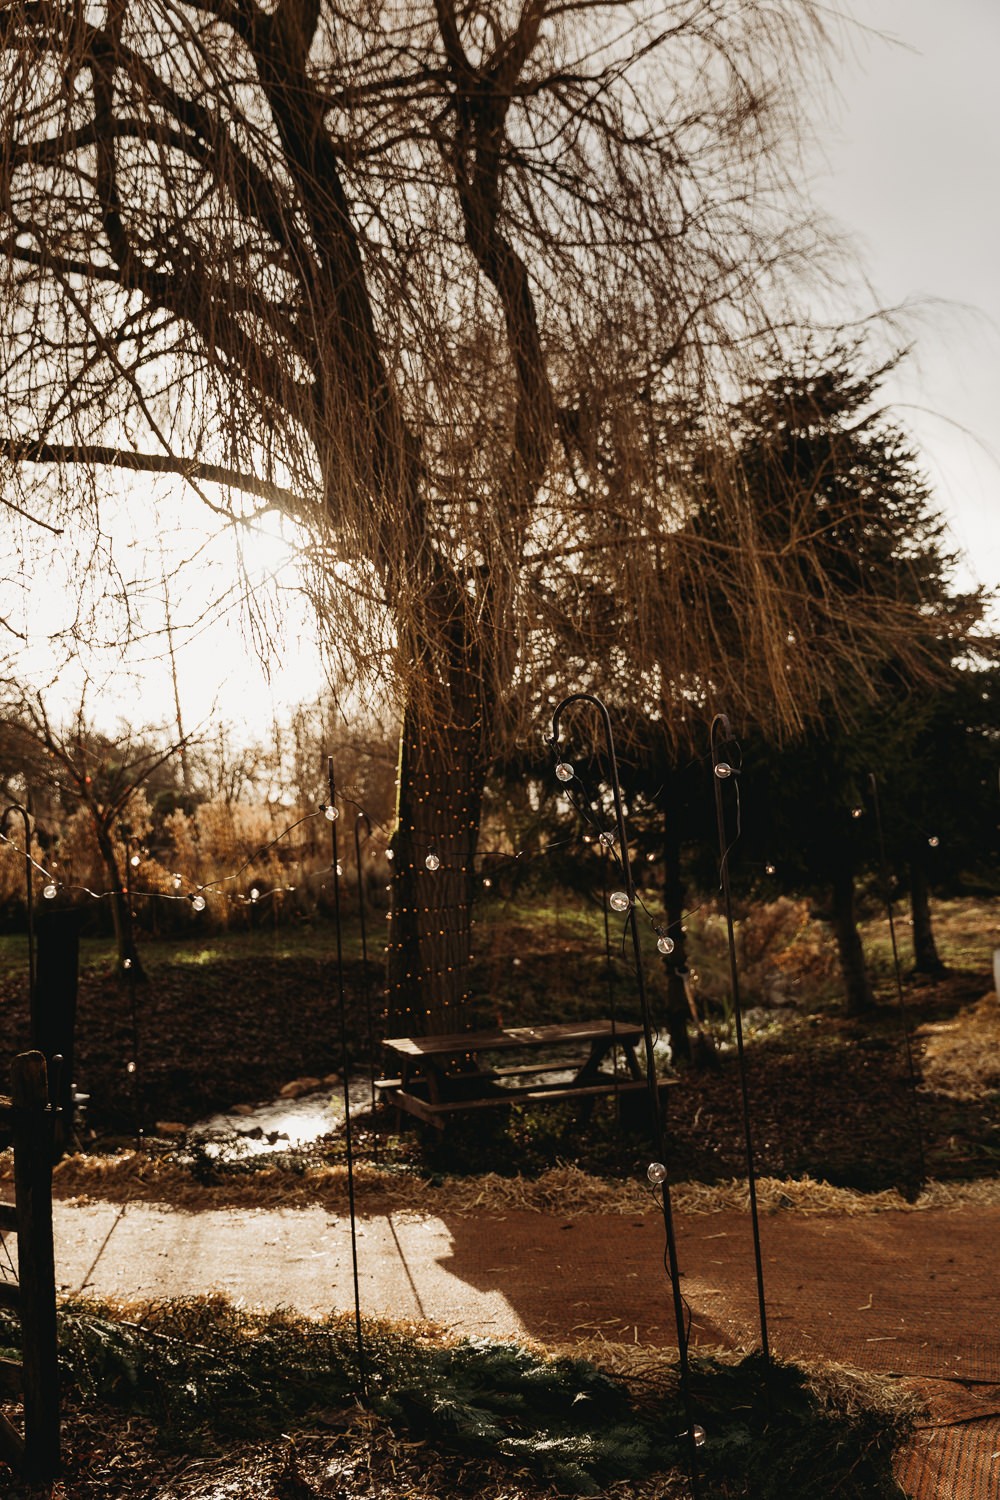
{"x": 282, "y": 943}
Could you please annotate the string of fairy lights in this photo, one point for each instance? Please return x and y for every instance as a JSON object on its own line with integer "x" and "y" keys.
{"x": 196, "y": 894}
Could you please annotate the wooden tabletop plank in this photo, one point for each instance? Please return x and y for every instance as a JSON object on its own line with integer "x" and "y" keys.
{"x": 511, "y": 1037}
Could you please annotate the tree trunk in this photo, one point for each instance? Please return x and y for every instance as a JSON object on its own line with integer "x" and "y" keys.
{"x": 678, "y": 1012}
{"x": 926, "y": 959}
{"x": 857, "y": 987}
{"x": 441, "y": 776}
{"x": 121, "y": 906}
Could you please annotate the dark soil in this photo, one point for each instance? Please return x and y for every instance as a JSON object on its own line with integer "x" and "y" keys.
{"x": 830, "y": 1097}
{"x": 834, "y": 1099}
{"x": 209, "y": 1035}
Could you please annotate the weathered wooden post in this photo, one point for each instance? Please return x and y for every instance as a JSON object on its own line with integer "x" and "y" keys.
{"x": 32, "y": 1121}
{"x": 53, "y": 1018}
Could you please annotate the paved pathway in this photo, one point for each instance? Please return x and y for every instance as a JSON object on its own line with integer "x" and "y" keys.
{"x": 913, "y": 1294}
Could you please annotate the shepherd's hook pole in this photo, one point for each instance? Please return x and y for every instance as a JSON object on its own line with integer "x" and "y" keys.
{"x": 651, "y": 1081}
{"x": 333, "y": 812}
{"x": 722, "y": 771}
{"x": 363, "y": 818}
{"x": 128, "y": 961}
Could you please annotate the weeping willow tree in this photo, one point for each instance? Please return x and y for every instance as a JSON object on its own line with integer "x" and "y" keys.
{"x": 431, "y": 280}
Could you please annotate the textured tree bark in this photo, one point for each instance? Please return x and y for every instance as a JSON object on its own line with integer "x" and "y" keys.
{"x": 121, "y": 907}
{"x": 441, "y": 775}
{"x": 858, "y": 995}
{"x": 926, "y": 959}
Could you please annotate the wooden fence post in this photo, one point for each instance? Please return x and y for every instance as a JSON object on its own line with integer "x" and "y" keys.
{"x": 53, "y": 1011}
{"x": 32, "y": 1119}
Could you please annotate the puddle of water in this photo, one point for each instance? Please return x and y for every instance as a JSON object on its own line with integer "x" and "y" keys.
{"x": 280, "y": 1124}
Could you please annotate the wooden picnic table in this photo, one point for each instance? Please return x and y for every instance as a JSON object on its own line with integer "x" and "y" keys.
{"x": 449, "y": 1074}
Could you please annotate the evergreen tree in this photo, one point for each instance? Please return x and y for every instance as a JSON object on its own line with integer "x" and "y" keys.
{"x": 825, "y": 462}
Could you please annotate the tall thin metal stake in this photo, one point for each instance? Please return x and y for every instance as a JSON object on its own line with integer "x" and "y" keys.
{"x": 363, "y": 818}
{"x": 651, "y": 1081}
{"x": 133, "y": 1067}
{"x": 333, "y": 813}
{"x": 722, "y": 771}
{"x": 904, "y": 1019}
{"x": 609, "y": 971}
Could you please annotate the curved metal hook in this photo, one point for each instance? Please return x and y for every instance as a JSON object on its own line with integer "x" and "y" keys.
{"x": 616, "y": 792}
{"x": 720, "y": 734}
{"x": 722, "y": 724}
{"x": 579, "y": 698}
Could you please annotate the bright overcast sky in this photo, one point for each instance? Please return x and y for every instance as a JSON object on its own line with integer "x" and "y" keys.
{"x": 914, "y": 176}
{"x": 910, "y": 169}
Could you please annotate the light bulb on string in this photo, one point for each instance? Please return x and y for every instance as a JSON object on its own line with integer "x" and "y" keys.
{"x": 607, "y": 839}
{"x": 254, "y": 894}
{"x": 857, "y": 812}
{"x": 178, "y": 881}
{"x": 135, "y": 861}
{"x": 656, "y": 1172}
{"x": 698, "y": 1436}
{"x": 126, "y": 963}
{"x": 198, "y": 902}
{"x": 330, "y": 812}
{"x": 130, "y": 1066}
{"x": 432, "y": 862}
{"x": 619, "y": 901}
{"x": 340, "y": 868}
{"x": 770, "y": 869}
{"x": 664, "y": 944}
{"x": 487, "y": 883}
{"x": 390, "y": 855}
{"x": 934, "y": 841}
{"x": 49, "y": 890}
{"x": 723, "y": 770}
{"x": 564, "y": 771}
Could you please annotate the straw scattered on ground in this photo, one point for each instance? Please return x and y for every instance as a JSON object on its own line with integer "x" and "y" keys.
{"x": 961, "y": 1055}
{"x": 565, "y": 1189}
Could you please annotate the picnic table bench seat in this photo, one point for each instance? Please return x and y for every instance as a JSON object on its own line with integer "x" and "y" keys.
{"x": 455, "y": 1073}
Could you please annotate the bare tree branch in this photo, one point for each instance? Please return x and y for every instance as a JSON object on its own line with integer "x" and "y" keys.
{"x": 21, "y": 450}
